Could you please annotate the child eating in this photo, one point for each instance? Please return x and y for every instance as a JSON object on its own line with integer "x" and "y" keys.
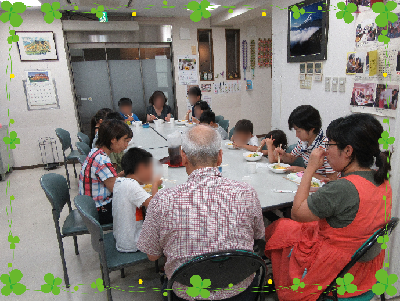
{"x": 208, "y": 117}
{"x": 125, "y": 108}
{"x": 194, "y": 95}
{"x": 243, "y": 136}
{"x": 200, "y": 107}
{"x": 274, "y": 139}
{"x": 307, "y": 123}
{"x": 129, "y": 196}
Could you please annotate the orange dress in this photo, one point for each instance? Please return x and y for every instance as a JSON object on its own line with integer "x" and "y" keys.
{"x": 315, "y": 252}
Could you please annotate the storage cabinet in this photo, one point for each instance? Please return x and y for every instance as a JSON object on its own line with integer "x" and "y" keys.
{"x": 6, "y": 156}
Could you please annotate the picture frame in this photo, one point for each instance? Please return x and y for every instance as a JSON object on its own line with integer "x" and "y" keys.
{"x": 301, "y": 46}
{"x": 36, "y": 46}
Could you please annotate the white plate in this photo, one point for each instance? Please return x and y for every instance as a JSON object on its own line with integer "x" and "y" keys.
{"x": 271, "y": 167}
{"x": 230, "y": 145}
{"x": 189, "y": 125}
{"x": 245, "y": 154}
{"x": 295, "y": 178}
{"x": 162, "y": 186}
{"x": 181, "y": 122}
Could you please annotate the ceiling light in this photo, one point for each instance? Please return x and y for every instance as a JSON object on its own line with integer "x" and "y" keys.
{"x": 27, "y": 2}
{"x": 213, "y": 6}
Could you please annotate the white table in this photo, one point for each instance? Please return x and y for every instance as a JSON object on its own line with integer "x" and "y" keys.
{"x": 234, "y": 166}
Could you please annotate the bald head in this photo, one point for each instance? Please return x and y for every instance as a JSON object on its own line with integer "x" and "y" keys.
{"x": 202, "y": 144}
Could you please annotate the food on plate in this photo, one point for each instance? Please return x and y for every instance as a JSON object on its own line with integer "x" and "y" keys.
{"x": 230, "y": 144}
{"x": 252, "y": 155}
{"x": 315, "y": 184}
{"x": 277, "y": 166}
{"x": 148, "y": 187}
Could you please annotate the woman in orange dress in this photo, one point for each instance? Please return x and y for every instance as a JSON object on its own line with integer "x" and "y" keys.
{"x": 329, "y": 226}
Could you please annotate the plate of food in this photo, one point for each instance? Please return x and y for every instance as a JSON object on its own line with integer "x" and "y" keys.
{"x": 181, "y": 122}
{"x": 278, "y": 167}
{"x": 296, "y": 177}
{"x": 148, "y": 187}
{"x": 190, "y": 124}
{"x": 252, "y": 156}
{"x": 230, "y": 145}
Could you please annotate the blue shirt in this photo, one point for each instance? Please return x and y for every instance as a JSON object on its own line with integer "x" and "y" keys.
{"x": 135, "y": 118}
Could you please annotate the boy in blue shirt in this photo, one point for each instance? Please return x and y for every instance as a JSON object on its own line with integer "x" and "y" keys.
{"x": 125, "y": 108}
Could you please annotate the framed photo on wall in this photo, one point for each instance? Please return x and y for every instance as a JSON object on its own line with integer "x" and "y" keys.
{"x": 36, "y": 45}
{"x": 307, "y": 35}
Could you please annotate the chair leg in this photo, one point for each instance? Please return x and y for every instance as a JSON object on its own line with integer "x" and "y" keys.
{"x": 157, "y": 268}
{"x": 107, "y": 283}
{"x": 73, "y": 163}
{"x": 122, "y": 273}
{"x": 76, "y": 245}
{"x": 66, "y": 171}
{"x": 383, "y": 297}
{"x": 61, "y": 247}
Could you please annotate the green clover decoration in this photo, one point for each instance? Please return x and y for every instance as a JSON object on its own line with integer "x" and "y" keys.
{"x": 385, "y": 140}
{"x": 12, "y": 140}
{"x": 13, "y": 37}
{"x": 297, "y": 13}
{"x": 385, "y": 13}
{"x": 98, "y": 284}
{"x": 346, "y": 12}
{"x": 383, "y": 240}
{"x": 385, "y": 283}
{"x": 51, "y": 284}
{"x": 13, "y": 240}
{"x": 12, "y": 13}
{"x": 51, "y": 11}
{"x": 297, "y": 283}
{"x": 166, "y": 5}
{"x": 12, "y": 284}
{"x": 98, "y": 11}
{"x": 199, "y": 10}
{"x": 345, "y": 284}
{"x": 199, "y": 287}
{"x": 383, "y": 37}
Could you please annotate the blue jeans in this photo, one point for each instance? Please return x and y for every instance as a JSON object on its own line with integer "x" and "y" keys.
{"x": 246, "y": 295}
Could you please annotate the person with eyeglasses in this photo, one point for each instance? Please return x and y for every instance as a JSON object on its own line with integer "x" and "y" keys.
{"x": 327, "y": 227}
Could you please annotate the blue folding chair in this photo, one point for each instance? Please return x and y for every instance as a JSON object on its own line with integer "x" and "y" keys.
{"x": 83, "y": 138}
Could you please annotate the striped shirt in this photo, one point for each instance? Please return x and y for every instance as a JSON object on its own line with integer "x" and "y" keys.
{"x": 95, "y": 170}
{"x": 208, "y": 213}
{"x": 302, "y": 149}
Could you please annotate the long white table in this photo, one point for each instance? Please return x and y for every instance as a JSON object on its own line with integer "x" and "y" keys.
{"x": 234, "y": 166}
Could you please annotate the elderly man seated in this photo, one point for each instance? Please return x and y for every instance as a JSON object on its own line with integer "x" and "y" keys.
{"x": 208, "y": 213}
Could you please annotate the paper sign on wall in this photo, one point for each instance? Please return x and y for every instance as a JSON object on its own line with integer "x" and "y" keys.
{"x": 373, "y": 62}
{"x": 187, "y": 69}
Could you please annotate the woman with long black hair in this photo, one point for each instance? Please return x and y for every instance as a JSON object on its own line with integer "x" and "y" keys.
{"x": 330, "y": 225}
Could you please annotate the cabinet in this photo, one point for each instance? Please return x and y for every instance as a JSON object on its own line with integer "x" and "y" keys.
{"x": 6, "y": 156}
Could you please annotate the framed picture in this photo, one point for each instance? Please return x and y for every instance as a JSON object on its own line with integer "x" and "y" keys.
{"x": 36, "y": 45}
{"x": 307, "y": 35}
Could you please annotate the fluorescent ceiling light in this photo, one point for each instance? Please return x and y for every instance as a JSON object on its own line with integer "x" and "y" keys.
{"x": 212, "y": 6}
{"x": 27, "y": 2}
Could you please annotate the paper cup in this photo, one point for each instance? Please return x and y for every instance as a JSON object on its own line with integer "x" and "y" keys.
{"x": 251, "y": 167}
{"x": 165, "y": 170}
{"x": 172, "y": 121}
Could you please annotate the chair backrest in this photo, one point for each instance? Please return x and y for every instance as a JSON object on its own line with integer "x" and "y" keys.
{"x": 368, "y": 251}
{"x": 231, "y": 132}
{"x": 224, "y": 124}
{"x": 299, "y": 161}
{"x": 83, "y": 148}
{"x": 55, "y": 187}
{"x": 222, "y": 268}
{"x": 87, "y": 209}
{"x": 218, "y": 118}
{"x": 65, "y": 138}
{"x": 83, "y": 138}
{"x": 82, "y": 159}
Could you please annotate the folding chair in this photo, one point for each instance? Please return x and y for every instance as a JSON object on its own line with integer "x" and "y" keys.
{"x": 218, "y": 118}
{"x": 224, "y": 124}
{"x": 83, "y": 148}
{"x": 83, "y": 138}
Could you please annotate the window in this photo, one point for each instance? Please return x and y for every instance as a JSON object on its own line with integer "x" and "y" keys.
{"x": 232, "y": 37}
{"x": 206, "y": 55}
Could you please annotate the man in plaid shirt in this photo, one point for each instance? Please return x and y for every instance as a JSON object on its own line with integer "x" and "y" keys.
{"x": 206, "y": 214}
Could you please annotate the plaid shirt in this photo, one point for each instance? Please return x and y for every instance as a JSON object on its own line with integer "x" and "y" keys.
{"x": 302, "y": 149}
{"x": 206, "y": 214}
{"x": 95, "y": 170}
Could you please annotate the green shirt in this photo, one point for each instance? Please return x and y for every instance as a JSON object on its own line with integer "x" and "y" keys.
{"x": 338, "y": 200}
{"x": 116, "y": 158}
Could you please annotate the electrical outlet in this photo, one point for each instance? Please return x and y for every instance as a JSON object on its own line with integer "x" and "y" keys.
{"x": 342, "y": 84}
{"x": 327, "y": 84}
{"x": 334, "y": 84}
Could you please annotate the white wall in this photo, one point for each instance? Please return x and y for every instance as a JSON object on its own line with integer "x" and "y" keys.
{"x": 32, "y": 125}
{"x": 286, "y": 92}
{"x": 254, "y": 105}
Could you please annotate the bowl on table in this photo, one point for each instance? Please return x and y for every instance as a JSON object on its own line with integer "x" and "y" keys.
{"x": 190, "y": 124}
{"x": 315, "y": 183}
{"x": 252, "y": 156}
{"x": 148, "y": 187}
{"x": 278, "y": 168}
{"x": 146, "y": 125}
{"x": 229, "y": 144}
{"x": 181, "y": 122}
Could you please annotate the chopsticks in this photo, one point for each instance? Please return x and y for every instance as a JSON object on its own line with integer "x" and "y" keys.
{"x": 154, "y": 116}
{"x": 279, "y": 157}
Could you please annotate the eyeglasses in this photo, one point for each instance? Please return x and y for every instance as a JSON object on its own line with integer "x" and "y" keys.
{"x": 328, "y": 145}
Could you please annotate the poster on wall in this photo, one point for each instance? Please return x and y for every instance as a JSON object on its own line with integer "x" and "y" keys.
{"x": 187, "y": 69}
{"x": 363, "y": 94}
{"x": 356, "y": 62}
{"x": 387, "y": 96}
{"x": 307, "y": 35}
{"x": 36, "y": 45}
{"x": 205, "y": 88}
{"x": 393, "y": 29}
{"x": 40, "y": 90}
{"x": 366, "y": 33}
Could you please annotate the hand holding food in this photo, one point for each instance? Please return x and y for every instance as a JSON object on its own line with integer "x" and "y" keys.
{"x": 316, "y": 159}
{"x": 130, "y": 118}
